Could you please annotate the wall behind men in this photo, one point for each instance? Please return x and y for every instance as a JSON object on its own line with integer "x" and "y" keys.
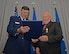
{"x": 7, "y": 9}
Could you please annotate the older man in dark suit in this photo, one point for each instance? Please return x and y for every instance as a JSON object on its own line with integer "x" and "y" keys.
{"x": 49, "y": 42}
{"x": 16, "y": 44}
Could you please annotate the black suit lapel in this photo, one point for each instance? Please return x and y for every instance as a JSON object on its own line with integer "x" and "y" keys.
{"x": 49, "y": 24}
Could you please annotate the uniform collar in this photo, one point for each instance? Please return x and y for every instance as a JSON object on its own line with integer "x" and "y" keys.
{"x": 23, "y": 18}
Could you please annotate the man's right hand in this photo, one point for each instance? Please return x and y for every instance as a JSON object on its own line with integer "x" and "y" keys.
{"x": 23, "y": 29}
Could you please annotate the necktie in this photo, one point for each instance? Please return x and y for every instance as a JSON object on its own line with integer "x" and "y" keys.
{"x": 44, "y": 27}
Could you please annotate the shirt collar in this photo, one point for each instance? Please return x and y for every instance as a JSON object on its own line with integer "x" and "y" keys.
{"x": 47, "y": 23}
{"x": 23, "y": 18}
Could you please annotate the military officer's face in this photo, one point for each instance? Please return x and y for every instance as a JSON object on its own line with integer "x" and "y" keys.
{"x": 24, "y": 13}
{"x": 46, "y": 17}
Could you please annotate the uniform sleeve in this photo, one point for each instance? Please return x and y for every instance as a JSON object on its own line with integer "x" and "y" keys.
{"x": 57, "y": 36}
{"x": 11, "y": 29}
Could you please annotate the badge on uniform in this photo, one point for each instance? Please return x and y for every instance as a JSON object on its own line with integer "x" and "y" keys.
{"x": 46, "y": 30}
{"x": 17, "y": 22}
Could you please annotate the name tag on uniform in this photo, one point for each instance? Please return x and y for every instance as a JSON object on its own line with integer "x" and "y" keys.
{"x": 17, "y": 22}
{"x": 46, "y": 30}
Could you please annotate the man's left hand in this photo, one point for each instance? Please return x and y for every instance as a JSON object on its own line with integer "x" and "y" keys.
{"x": 43, "y": 38}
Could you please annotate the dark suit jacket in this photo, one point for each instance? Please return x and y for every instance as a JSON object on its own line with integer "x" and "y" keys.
{"x": 16, "y": 44}
{"x": 54, "y": 33}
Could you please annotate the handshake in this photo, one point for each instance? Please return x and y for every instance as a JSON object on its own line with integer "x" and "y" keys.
{"x": 23, "y": 29}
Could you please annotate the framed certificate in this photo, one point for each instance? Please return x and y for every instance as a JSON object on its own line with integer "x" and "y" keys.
{"x": 35, "y": 29}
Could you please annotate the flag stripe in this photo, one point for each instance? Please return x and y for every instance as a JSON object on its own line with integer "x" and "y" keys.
{"x": 16, "y": 10}
{"x": 63, "y": 47}
{"x": 34, "y": 14}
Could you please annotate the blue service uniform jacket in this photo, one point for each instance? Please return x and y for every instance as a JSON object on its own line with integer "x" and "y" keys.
{"x": 16, "y": 44}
